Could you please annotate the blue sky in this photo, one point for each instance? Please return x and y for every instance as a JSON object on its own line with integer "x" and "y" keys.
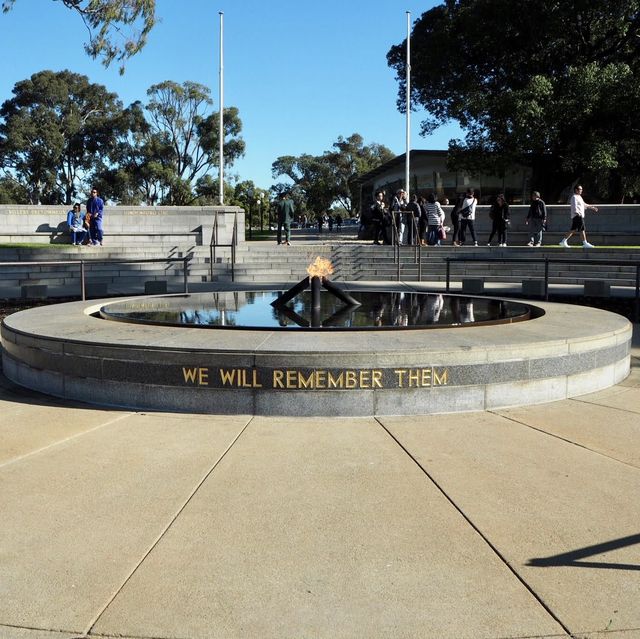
{"x": 301, "y": 73}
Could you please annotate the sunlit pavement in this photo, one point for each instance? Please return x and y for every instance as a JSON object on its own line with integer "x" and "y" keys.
{"x": 514, "y": 523}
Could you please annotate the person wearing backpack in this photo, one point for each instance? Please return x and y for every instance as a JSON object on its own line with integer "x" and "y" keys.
{"x": 468, "y": 216}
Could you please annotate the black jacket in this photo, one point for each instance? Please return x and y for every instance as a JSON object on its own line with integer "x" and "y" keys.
{"x": 537, "y": 210}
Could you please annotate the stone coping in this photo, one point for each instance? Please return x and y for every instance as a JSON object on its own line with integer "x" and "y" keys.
{"x": 64, "y": 350}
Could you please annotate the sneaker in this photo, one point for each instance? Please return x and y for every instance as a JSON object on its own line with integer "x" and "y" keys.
{"x": 537, "y": 245}
{"x": 530, "y": 244}
{"x": 488, "y": 243}
{"x": 564, "y": 243}
{"x": 475, "y": 244}
{"x": 587, "y": 245}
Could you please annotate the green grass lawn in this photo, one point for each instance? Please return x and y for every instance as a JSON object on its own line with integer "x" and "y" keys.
{"x": 34, "y": 245}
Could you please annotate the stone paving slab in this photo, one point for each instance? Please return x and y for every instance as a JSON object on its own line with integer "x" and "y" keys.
{"x": 625, "y": 397}
{"x": 565, "y": 518}
{"x": 611, "y": 431}
{"x": 79, "y": 517}
{"x": 318, "y": 528}
{"x": 623, "y": 634}
{"x": 26, "y": 428}
{"x": 6, "y": 632}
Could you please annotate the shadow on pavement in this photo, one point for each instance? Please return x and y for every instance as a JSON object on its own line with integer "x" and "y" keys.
{"x": 572, "y": 558}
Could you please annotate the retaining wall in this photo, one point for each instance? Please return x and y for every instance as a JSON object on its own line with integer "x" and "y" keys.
{"x": 123, "y": 225}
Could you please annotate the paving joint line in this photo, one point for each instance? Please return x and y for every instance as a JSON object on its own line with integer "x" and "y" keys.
{"x": 164, "y": 531}
{"x": 60, "y": 442}
{"x": 486, "y": 540}
{"x": 564, "y": 439}
{"x": 30, "y": 628}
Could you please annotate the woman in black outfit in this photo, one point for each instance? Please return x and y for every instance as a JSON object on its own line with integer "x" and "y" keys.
{"x": 499, "y": 214}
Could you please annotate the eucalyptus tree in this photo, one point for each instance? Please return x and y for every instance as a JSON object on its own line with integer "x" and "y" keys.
{"x": 117, "y": 29}
{"x": 551, "y": 84}
{"x": 54, "y": 131}
{"x": 327, "y": 179}
{"x": 187, "y": 133}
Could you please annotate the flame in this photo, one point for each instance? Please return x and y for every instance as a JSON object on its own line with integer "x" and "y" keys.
{"x": 321, "y": 267}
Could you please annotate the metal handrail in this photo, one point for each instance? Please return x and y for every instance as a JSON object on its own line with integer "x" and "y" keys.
{"x": 214, "y": 243}
{"x": 83, "y": 263}
{"x": 417, "y": 246}
{"x": 552, "y": 260}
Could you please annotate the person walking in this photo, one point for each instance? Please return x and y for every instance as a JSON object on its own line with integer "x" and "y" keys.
{"x": 285, "y": 211}
{"x": 95, "y": 210}
{"x": 468, "y": 216}
{"x": 578, "y": 209}
{"x": 499, "y": 214}
{"x": 536, "y": 219}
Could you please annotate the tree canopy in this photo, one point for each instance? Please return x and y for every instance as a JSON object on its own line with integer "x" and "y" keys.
{"x": 167, "y": 154}
{"x": 117, "y": 29}
{"x": 554, "y": 85}
{"x": 326, "y": 179}
{"x": 53, "y": 132}
{"x": 60, "y": 133}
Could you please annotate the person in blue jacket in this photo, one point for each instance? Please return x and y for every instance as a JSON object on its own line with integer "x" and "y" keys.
{"x": 95, "y": 209}
{"x": 75, "y": 222}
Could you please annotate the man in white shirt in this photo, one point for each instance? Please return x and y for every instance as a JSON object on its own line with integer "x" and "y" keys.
{"x": 578, "y": 210}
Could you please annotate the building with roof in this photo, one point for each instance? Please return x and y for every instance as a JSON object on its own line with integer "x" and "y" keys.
{"x": 429, "y": 173}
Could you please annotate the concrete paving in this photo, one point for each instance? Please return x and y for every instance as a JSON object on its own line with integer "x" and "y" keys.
{"x": 514, "y": 523}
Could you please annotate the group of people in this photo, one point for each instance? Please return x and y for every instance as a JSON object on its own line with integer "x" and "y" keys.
{"x": 87, "y": 226}
{"x": 422, "y": 221}
{"x": 404, "y": 221}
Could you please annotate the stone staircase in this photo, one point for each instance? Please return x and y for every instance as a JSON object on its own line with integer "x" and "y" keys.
{"x": 260, "y": 263}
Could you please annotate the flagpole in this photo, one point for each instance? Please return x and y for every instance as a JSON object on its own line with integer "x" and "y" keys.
{"x": 221, "y": 123}
{"x": 408, "y": 106}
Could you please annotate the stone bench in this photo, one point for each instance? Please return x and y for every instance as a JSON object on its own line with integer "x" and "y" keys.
{"x": 533, "y": 288}
{"x": 473, "y": 285}
{"x": 597, "y": 288}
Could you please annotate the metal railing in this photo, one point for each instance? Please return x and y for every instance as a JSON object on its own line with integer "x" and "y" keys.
{"x": 215, "y": 244}
{"x": 83, "y": 263}
{"x": 552, "y": 260}
{"x": 398, "y": 247}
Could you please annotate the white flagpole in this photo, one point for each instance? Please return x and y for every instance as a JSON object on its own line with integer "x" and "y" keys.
{"x": 408, "y": 97}
{"x": 221, "y": 124}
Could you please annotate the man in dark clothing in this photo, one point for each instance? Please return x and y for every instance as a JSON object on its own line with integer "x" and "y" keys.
{"x": 378, "y": 215}
{"x": 412, "y": 215}
{"x": 536, "y": 219}
{"x": 285, "y": 210}
{"x": 95, "y": 209}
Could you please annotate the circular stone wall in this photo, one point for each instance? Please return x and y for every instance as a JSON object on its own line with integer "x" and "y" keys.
{"x": 64, "y": 350}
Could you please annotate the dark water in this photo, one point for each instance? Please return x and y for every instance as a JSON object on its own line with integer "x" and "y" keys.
{"x": 377, "y": 310}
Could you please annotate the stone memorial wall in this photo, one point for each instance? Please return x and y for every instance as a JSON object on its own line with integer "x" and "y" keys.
{"x": 124, "y": 225}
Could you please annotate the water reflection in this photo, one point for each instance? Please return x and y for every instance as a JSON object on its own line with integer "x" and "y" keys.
{"x": 253, "y": 309}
